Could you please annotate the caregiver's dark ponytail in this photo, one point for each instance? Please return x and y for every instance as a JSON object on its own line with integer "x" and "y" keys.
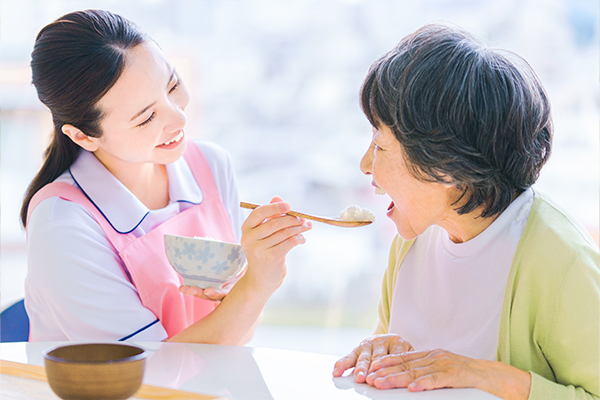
{"x": 75, "y": 61}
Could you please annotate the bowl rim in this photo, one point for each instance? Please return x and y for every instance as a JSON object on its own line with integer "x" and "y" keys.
{"x": 136, "y": 357}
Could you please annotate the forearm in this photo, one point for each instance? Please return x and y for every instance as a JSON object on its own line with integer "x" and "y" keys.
{"x": 231, "y": 322}
{"x": 250, "y": 333}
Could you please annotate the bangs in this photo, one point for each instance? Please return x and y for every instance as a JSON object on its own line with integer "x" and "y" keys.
{"x": 373, "y": 102}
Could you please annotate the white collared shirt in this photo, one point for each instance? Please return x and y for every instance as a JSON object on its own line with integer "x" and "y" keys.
{"x": 449, "y": 295}
{"x": 76, "y": 288}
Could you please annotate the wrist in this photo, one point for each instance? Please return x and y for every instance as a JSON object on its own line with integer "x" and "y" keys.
{"x": 264, "y": 278}
{"x": 506, "y": 381}
{"x": 255, "y": 287}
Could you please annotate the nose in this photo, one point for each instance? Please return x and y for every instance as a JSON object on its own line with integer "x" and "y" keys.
{"x": 366, "y": 162}
{"x": 177, "y": 118}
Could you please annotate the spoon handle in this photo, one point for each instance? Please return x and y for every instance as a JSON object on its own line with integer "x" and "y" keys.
{"x": 330, "y": 221}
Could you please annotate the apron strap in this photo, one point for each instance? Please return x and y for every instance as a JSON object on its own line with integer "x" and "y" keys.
{"x": 195, "y": 160}
{"x": 201, "y": 170}
{"x": 72, "y": 193}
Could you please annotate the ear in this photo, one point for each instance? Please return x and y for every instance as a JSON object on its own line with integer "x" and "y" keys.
{"x": 78, "y": 137}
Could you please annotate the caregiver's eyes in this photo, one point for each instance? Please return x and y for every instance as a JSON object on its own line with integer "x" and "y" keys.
{"x": 146, "y": 122}
{"x": 175, "y": 86}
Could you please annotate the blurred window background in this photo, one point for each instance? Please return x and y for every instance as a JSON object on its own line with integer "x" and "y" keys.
{"x": 276, "y": 83}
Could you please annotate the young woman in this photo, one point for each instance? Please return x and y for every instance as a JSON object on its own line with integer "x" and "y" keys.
{"x": 119, "y": 174}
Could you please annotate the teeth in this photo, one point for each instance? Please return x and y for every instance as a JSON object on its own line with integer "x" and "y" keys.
{"x": 379, "y": 190}
{"x": 175, "y": 139}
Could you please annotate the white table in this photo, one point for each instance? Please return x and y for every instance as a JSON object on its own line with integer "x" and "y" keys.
{"x": 247, "y": 373}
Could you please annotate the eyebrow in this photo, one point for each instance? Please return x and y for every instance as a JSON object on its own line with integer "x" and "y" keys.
{"x": 150, "y": 105}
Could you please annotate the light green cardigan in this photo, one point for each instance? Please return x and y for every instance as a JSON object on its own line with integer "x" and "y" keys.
{"x": 550, "y": 317}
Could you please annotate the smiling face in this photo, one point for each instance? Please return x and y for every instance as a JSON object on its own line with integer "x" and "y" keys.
{"x": 143, "y": 113}
{"x": 416, "y": 204}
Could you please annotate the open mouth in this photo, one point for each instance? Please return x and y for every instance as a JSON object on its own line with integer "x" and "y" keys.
{"x": 391, "y": 206}
{"x": 378, "y": 190}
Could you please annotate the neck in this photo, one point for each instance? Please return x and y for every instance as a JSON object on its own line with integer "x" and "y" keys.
{"x": 147, "y": 181}
{"x": 462, "y": 228}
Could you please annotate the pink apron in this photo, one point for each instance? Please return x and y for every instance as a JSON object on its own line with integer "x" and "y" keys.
{"x": 144, "y": 257}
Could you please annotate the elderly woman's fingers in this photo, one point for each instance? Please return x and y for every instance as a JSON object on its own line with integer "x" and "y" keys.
{"x": 400, "y": 358}
{"x": 359, "y": 358}
{"x": 435, "y": 380}
{"x": 345, "y": 363}
{"x": 435, "y": 368}
{"x": 398, "y": 380}
{"x": 429, "y": 370}
{"x": 363, "y": 363}
{"x": 369, "y": 351}
{"x": 403, "y": 365}
{"x": 382, "y": 345}
{"x": 398, "y": 345}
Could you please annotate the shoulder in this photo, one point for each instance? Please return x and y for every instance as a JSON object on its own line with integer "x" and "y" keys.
{"x": 555, "y": 223}
{"x": 555, "y": 239}
{"x": 59, "y": 228}
{"x": 555, "y": 294}
{"x": 52, "y": 207}
{"x": 556, "y": 257}
{"x": 55, "y": 211}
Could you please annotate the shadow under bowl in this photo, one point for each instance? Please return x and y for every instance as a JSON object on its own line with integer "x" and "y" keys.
{"x": 95, "y": 371}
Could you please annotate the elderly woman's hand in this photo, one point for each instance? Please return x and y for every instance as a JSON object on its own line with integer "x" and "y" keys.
{"x": 426, "y": 370}
{"x": 368, "y": 351}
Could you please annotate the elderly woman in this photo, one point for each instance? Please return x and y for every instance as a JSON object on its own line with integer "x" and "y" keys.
{"x": 489, "y": 283}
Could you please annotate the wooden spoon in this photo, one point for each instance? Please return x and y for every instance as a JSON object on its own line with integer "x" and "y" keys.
{"x": 330, "y": 221}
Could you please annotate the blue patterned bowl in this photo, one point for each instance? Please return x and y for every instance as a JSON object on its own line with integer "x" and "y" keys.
{"x": 204, "y": 262}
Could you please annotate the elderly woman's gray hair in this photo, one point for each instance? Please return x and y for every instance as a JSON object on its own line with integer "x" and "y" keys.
{"x": 464, "y": 113}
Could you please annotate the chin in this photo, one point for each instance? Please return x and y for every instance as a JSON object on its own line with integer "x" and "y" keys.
{"x": 176, "y": 154}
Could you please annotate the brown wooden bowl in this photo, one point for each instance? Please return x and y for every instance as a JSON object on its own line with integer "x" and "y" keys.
{"x": 95, "y": 370}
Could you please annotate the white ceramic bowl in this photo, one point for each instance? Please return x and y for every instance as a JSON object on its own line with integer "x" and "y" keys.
{"x": 204, "y": 262}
